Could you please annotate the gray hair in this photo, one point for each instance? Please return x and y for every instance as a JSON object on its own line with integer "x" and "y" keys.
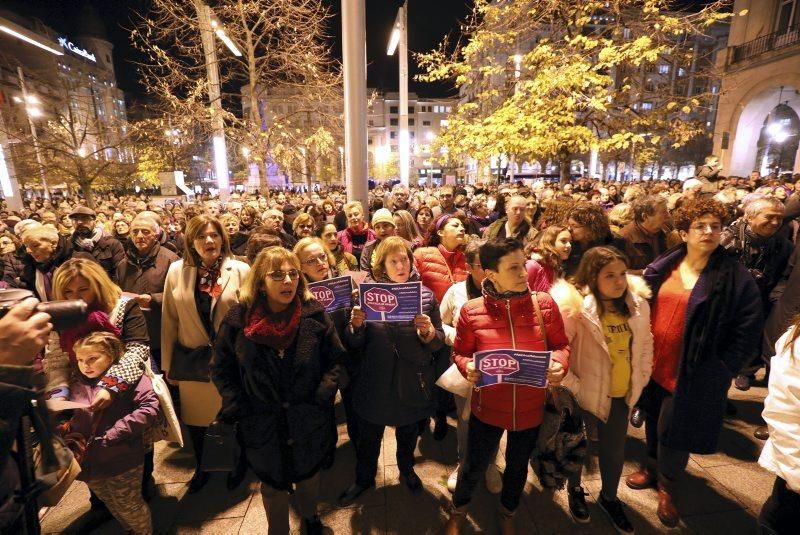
{"x": 41, "y": 232}
{"x": 646, "y": 206}
{"x": 754, "y": 206}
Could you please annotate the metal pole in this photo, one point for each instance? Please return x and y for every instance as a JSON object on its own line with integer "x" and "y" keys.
{"x": 404, "y": 144}
{"x": 354, "y": 52}
{"x": 32, "y": 126}
{"x": 9, "y": 185}
{"x": 212, "y": 72}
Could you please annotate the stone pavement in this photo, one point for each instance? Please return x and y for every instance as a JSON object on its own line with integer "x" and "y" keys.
{"x": 723, "y": 493}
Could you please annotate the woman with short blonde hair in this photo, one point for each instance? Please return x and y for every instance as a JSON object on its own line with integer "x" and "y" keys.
{"x": 268, "y": 261}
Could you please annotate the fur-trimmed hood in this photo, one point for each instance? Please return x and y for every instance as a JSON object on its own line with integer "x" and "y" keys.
{"x": 572, "y": 303}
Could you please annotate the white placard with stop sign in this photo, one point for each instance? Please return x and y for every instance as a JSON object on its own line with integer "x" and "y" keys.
{"x": 390, "y": 302}
{"x": 527, "y": 368}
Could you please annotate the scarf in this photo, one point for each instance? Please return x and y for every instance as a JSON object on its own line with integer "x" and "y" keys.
{"x": 87, "y": 244}
{"x": 490, "y": 290}
{"x": 275, "y": 330}
{"x": 208, "y": 278}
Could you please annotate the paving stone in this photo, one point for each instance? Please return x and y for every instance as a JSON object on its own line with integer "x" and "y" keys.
{"x": 750, "y": 483}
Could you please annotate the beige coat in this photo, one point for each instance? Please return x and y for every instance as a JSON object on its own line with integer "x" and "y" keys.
{"x": 180, "y": 322}
{"x": 589, "y": 376}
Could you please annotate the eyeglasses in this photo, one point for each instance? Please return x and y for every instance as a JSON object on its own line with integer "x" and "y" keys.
{"x": 305, "y": 226}
{"x": 321, "y": 258}
{"x": 713, "y": 228}
{"x": 280, "y": 276}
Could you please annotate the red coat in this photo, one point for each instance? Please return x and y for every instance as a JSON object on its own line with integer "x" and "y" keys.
{"x": 440, "y": 268}
{"x": 491, "y": 323}
{"x": 540, "y": 276}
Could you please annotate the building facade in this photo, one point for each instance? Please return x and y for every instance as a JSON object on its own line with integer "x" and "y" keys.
{"x": 67, "y": 78}
{"x": 757, "y": 126}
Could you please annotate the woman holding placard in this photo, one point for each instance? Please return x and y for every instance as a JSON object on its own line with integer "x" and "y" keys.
{"x": 317, "y": 264}
{"x": 608, "y": 326}
{"x": 507, "y": 317}
{"x": 396, "y": 373}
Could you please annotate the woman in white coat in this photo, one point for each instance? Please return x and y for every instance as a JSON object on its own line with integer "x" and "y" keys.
{"x": 608, "y": 326}
{"x": 198, "y": 292}
{"x": 781, "y": 454}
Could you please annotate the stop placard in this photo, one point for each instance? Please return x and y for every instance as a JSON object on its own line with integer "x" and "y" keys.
{"x": 380, "y": 300}
{"x": 323, "y": 294}
{"x": 498, "y": 364}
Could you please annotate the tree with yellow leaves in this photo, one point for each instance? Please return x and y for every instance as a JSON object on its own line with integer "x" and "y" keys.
{"x": 556, "y": 79}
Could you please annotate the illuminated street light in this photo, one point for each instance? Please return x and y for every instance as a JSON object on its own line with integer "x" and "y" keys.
{"x": 220, "y": 31}
{"x": 30, "y": 40}
{"x": 82, "y": 152}
{"x": 394, "y": 40}
{"x": 777, "y": 133}
{"x": 246, "y": 152}
{"x": 399, "y": 41}
{"x": 34, "y": 112}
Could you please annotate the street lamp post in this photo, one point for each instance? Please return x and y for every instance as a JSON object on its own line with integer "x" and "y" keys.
{"x": 209, "y": 27}
{"x": 400, "y": 37}
{"x": 29, "y": 113}
{"x": 354, "y": 59}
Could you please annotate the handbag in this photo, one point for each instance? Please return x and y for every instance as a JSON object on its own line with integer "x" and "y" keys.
{"x": 455, "y": 383}
{"x": 167, "y": 426}
{"x": 191, "y": 364}
{"x": 221, "y": 448}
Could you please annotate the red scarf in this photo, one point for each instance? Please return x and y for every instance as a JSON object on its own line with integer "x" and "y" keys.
{"x": 276, "y": 330}
{"x": 208, "y": 278}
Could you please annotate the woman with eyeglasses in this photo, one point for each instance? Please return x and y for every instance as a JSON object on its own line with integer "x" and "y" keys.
{"x": 317, "y": 264}
{"x": 303, "y": 226}
{"x": 706, "y": 320}
{"x": 396, "y": 373}
{"x": 276, "y": 365}
{"x": 198, "y": 292}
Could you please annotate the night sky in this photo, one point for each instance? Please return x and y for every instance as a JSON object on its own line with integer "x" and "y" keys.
{"x": 428, "y": 22}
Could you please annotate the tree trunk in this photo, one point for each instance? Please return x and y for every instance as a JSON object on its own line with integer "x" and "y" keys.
{"x": 563, "y": 167}
{"x": 86, "y": 189}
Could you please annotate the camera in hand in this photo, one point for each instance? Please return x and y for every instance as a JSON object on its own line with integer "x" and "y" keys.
{"x": 63, "y": 314}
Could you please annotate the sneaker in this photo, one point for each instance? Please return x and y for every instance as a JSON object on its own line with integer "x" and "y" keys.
{"x": 452, "y": 481}
{"x": 615, "y": 513}
{"x": 577, "y": 505}
{"x": 494, "y": 479}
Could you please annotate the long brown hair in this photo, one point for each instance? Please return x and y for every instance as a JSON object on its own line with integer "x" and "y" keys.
{"x": 547, "y": 246}
{"x": 593, "y": 261}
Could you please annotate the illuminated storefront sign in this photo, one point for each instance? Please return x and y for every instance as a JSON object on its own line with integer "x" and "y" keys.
{"x": 75, "y": 49}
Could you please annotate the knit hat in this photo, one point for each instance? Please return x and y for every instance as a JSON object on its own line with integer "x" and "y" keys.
{"x": 382, "y": 215}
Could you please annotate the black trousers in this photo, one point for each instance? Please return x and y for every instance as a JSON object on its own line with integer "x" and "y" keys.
{"x": 670, "y": 463}
{"x": 368, "y": 448}
{"x": 781, "y": 512}
{"x": 350, "y": 415}
{"x": 482, "y": 443}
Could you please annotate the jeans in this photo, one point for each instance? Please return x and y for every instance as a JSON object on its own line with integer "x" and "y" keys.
{"x": 611, "y": 449}
{"x": 369, "y": 447}
{"x": 670, "y": 463}
{"x": 276, "y": 504}
{"x": 781, "y": 512}
{"x": 482, "y": 443}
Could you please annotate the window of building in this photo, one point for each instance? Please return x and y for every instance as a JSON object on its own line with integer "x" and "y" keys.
{"x": 447, "y": 109}
{"x": 426, "y": 123}
{"x": 393, "y": 121}
{"x": 663, "y": 69}
{"x": 647, "y": 105}
{"x": 392, "y": 135}
{"x": 443, "y": 122}
{"x": 371, "y": 122}
{"x": 787, "y": 15}
{"x": 369, "y": 141}
{"x": 681, "y": 71}
{"x": 411, "y": 122}
{"x": 393, "y": 109}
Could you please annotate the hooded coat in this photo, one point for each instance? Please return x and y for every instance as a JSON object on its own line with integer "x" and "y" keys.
{"x": 589, "y": 376}
{"x": 282, "y": 403}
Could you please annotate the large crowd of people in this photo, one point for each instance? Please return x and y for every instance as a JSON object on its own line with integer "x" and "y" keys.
{"x": 652, "y": 297}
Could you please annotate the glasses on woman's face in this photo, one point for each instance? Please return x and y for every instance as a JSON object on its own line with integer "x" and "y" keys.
{"x": 308, "y": 226}
{"x": 702, "y": 228}
{"x": 320, "y": 258}
{"x": 280, "y": 275}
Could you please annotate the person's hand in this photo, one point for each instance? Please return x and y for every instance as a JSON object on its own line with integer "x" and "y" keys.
{"x": 424, "y": 326}
{"x": 101, "y": 400}
{"x": 23, "y": 334}
{"x": 473, "y": 374}
{"x": 357, "y": 317}
{"x": 555, "y": 373}
{"x": 144, "y": 300}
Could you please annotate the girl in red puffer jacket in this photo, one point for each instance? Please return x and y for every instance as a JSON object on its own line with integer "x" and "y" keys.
{"x": 504, "y": 318}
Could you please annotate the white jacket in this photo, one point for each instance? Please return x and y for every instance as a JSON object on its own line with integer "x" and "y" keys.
{"x": 450, "y": 309}
{"x": 589, "y": 376}
{"x": 781, "y": 453}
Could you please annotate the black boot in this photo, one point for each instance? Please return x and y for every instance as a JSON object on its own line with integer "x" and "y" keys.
{"x": 312, "y": 526}
{"x": 148, "y": 483}
{"x": 441, "y": 427}
{"x": 197, "y": 434}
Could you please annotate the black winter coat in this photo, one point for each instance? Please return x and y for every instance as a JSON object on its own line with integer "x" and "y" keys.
{"x": 108, "y": 252}
{"x": 397, "y": 372}
{"x": 283, "y": 404}
{"x": 146, "y": 276}
{"x": 700, "y": 395}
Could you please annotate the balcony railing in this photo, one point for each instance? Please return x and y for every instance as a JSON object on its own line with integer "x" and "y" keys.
{"x": 766, "y": 43}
